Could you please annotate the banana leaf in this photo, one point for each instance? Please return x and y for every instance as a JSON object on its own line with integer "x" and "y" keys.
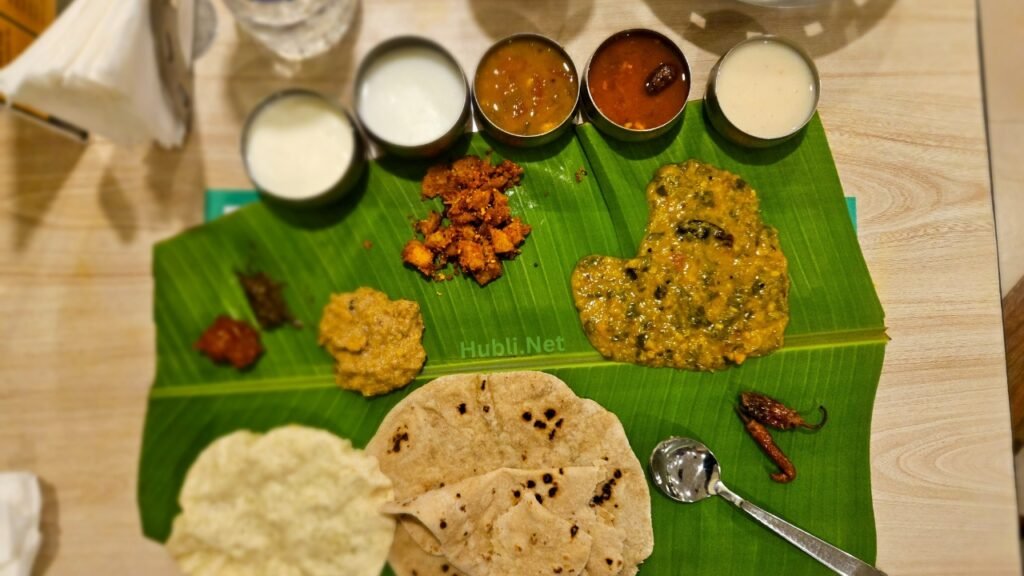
{"x": 833, "y": 354}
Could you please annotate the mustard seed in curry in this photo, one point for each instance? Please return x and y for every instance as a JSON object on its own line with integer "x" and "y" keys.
{"x": 708, "y": 288}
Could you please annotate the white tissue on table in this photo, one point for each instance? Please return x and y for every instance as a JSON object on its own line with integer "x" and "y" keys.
{"x": 96, "y": 67}
{"x": 20, "y": 508}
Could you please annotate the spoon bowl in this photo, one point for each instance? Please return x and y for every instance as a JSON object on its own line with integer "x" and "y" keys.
{"x": 685, "y": 470}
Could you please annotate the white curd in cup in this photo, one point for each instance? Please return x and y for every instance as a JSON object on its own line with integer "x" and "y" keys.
{"x": 411, "y": 95}
{"x": 299, "y": 146}
{"x": 766, "y": 89}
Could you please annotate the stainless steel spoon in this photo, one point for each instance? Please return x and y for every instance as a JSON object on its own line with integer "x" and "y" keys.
{"x": 686, "y": 471}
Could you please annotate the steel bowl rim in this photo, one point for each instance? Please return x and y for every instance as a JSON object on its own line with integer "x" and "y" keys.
{"x": 354, "y": 164}
{"x": 505, "y": 135}
{"x": 717, "y": 70}
{"x": 655, "y": 130}
{"x": 449, "y": 135}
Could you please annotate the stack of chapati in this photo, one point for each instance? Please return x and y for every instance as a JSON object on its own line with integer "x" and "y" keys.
{"x": 511, "y": 473}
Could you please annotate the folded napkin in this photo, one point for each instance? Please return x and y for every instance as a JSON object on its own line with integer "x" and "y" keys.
{"x": 97, "y": 67}
{"x": 20, "y": 507}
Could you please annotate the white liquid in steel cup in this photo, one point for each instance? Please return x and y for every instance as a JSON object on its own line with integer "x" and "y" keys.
{"x": 766, "y": 89}
{"x": 300, "y": 148}
{"x": 411, "y": 96}
{"x": 762, "y": 92}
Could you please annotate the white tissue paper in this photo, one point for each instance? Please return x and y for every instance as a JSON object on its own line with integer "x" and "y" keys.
{"x": 96, "y": 67}
{"x": 20, "y": 508}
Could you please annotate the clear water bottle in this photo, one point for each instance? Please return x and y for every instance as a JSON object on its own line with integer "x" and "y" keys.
{"x": 295, "y": 29}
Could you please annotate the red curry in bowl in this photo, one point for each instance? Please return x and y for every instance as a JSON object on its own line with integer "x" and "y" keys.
{"x": 638, "y": 80}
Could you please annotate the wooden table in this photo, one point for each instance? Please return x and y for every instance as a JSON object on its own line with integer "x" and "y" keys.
{"x": 903, "y": 111}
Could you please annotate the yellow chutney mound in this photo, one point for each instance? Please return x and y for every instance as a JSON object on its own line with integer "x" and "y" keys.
{"x": 708, "y": 287}
{"x": 375, "y": 341}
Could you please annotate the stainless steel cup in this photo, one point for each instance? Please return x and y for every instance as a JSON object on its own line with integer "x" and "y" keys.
{"x": 427, "y": 149}
{"x": 525, "y": 140}
{"x": 609, "y": 127}
{"x": 726, "y": 127}
{"x": 349, "y": 177}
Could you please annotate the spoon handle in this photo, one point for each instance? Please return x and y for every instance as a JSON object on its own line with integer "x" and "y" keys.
{"x": 827, "y": 554}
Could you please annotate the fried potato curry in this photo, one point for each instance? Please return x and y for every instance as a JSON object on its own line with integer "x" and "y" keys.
{"x": 708, "y": 288}
{"x": 477, "y": 229}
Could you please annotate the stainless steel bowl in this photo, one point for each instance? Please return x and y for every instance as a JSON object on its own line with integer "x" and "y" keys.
{"x": 721, "y": 122}
{"x": 426, "y": 149}
{"x": 349, "y": 177}
{"x": 525, "y": 140}
{"x": 606, "y": 124}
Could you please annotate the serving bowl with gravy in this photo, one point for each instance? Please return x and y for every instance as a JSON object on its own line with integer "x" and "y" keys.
{"x": 526, "y": 90}
{"x": 636, "y": 85}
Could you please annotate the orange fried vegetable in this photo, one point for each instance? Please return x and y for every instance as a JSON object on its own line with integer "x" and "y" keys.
{"x": 476, "y": 229}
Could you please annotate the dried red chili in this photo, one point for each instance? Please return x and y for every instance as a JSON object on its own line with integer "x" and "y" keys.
{"x": 763, "y": 438}
{"x": 770, "y": 412}
{"x": 231, "y": 341}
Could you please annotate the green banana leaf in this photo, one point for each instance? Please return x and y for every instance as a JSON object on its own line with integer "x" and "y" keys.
{"x": 833, "y": 354}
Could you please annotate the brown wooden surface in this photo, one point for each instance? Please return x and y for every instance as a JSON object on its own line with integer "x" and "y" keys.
{"x": 902, "y": 108}
{"x": 1013, "y": 325}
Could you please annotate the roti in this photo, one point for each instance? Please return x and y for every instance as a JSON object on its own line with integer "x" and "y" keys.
{"x": 473, "y": 520}
{"x": 464, "y": 426}
{"x": 407, "y": 558}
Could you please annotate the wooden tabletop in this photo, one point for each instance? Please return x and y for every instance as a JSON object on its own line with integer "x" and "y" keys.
{"x": 902, "y": 107}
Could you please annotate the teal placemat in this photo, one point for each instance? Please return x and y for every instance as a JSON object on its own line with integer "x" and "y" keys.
{"x": 221, "y": 202}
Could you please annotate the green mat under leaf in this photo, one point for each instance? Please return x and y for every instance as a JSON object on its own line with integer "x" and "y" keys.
{"x": 526, "y": 320}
